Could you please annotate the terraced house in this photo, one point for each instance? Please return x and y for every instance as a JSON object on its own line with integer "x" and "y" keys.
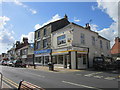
{"x": 69, "y": 45}
{"x": 43, "y": 40}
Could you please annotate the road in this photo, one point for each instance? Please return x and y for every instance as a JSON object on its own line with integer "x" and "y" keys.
{"x": 92, "y": 80}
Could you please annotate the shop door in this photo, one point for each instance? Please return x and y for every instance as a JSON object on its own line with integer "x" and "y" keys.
{"x": 81, "y": 61}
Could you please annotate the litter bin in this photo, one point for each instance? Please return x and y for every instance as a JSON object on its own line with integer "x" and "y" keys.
{"x": 51, "y": 66}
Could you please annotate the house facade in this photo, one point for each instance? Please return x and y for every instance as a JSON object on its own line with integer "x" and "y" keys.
{"x": 42, "y": 48}
{"x": 75, "y": 46}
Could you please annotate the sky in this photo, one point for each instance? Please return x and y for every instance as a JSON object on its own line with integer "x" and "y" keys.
{"x": 20, "y": 19}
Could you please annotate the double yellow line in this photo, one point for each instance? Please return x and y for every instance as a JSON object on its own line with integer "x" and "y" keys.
{"x": 10, "y": 82}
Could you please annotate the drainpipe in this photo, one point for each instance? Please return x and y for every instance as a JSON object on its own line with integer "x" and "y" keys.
{"x": 88, "y": 58}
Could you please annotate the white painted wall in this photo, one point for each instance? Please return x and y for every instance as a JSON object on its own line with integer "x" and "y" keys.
{"x": 74, "y": 32}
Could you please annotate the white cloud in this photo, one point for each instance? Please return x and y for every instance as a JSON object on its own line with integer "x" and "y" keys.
{"x": 37, "y": 26}
{"x": 76, "y": 19}
{"x": 6, "y": 36}
{"x": 33, "y": 11}
{"x": 3, "y": 20}
{"x": 25, "y": 6}
{"x": 110, "y": 8}
{"x": 54, "y": 18}
{"x": 94, "y": 27}
{"x": 30, "y": 37}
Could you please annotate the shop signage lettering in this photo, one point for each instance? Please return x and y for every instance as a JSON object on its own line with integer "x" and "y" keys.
{"x": 43, "y": 51}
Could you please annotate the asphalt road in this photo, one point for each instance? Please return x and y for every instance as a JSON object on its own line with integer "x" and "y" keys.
{"x": 88, "y": 79}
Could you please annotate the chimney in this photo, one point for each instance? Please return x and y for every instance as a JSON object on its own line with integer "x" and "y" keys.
{"x": 25, "y": 40}
{"x": 66, "y": 16}
{"x": 87, "y": 26}
{"x": 117, "y": 39}
{"x": 17, "y": 43}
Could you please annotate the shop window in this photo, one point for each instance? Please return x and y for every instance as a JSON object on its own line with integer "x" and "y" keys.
{"x": 46, "y": 59}
{"x": 60, "y": 59}
{"x": 84, "y": 59}
{"x": 61, "y": 39}
{"x": 54, "y": 58}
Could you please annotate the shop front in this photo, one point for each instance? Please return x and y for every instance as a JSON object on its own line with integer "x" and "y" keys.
{"x": 42, "y": 57}
{"x": 30, "y": 59}
{"x": 72, "y": 57}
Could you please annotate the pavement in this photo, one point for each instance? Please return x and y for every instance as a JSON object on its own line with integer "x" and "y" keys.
{"x": 56, "y": 69}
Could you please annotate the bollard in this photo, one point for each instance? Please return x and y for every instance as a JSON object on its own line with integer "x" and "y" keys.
{"x": 1, "y": 80}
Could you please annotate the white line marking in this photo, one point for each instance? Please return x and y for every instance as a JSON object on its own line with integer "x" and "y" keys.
{"x": 91, "y": 74}
{"x": 81, "y": 85}
{"x": 98, "y": 76}
{"x": 109, "y": 78}
{"x": 37, "y": 75}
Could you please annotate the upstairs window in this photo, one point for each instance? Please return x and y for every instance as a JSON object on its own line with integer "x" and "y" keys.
{"x": 38, "y": 34}
{"x": 38, "y": 45}
{"x": 45, "y": 43}
{"x": 107, "y": 45}
{"x": 61, "y": 39}
{"x": 93, "y": 40}
{"x": 82, "y": 37}
{"x": 45, "y": 32}
{"x": 101, "y": 44}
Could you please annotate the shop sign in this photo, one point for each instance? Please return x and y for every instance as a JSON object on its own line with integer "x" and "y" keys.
{"x": 43, "y": 51}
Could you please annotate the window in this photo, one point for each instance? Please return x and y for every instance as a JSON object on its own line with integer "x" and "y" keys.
{"x": 107, "y": 45}
{"x": 82, "y": 38}
{"x": 38, "y": 45}
{"x": 84, "y": 59}
{"x": 45, "y": 32}
{"x": 38, "y": 34}
{"x": 45, "y": 43}
{"x": 61, "y": 39}
{"x": 101, "y": 44}
{"x": 93, "y": 40}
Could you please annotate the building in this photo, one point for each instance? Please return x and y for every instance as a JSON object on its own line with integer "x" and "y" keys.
{"x": 11, "y": 54}
{"x": 25, "y": 51}
{"x": 69, "y": 45}
{"x": 115, "y": 50}
{"x": 42, "y": 49}
{"x": 74, "y": 46}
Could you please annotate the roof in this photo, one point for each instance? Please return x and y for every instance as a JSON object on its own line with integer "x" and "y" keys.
{"x": 102, "y": 37}
{"x": 51, "y": 23}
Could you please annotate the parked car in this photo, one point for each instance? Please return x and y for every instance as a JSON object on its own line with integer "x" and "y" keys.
{"x": 4, "y": 63}
{"x": 117, "y": 63}
{"x": 18, "y": 63}
{"x": 9, "y": 63}
{"x": 103, "y": 63}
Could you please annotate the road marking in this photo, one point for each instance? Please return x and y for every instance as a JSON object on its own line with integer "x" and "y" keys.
{"x": 91, "y": 74}
{"x": 98, "y": 76}
{"x": 81, "y": 85}
{"x": 37, "y": 75}
{"x": 10, "y": 82}
{"x": 6, "y": 85}
{"x": 109, "y": 78}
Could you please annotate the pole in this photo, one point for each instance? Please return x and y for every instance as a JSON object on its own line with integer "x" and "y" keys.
{"x": 1, "y": 81}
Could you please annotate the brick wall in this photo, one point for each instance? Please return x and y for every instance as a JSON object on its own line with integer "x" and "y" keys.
{"x": 116, "y": 47}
